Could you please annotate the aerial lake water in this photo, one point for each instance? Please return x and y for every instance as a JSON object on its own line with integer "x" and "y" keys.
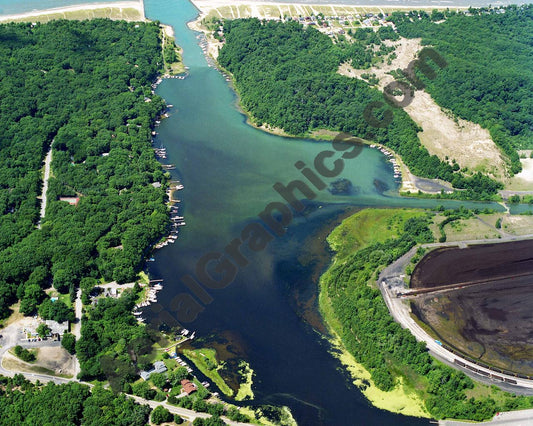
{"x": 228, "y": 168}
{"x": 269, "y": 310}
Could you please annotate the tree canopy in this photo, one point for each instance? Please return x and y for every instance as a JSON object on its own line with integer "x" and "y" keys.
{"x": 84, "y": 89}
{"x": 489, "y": 78}
{"x": 286, "y": 77}
{"x": 24, "y": 403}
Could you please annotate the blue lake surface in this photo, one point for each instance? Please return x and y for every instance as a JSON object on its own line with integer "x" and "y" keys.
{"x": 268, "y": 313}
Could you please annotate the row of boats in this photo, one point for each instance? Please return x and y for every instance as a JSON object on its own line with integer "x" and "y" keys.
{"x": 151, "y": 297}
{"x": 179, "y": 77}
{"x": 176, "y": 222}
{"x": 160, "y": 152}
{"x": 392, "y": 159}
{"x": 156, "y": 83}
{"x": 203, "y": 43}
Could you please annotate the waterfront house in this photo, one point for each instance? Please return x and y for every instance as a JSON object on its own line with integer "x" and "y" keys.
{"x": 188, "y": 386}
{"x": 159, "y": 367}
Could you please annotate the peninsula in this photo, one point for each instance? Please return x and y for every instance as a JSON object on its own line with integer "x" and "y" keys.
{"x": 454, "y": 148}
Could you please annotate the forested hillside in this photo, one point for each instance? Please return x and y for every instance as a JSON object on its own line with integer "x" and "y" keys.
{"x": 23, "y": 403}
{"x": 86, "y": 87}
{"x": 287, "y": 77}
{"x": 489, "y": 77}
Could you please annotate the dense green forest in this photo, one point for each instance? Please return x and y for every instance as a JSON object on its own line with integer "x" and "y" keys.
{"x": 370, "y": 334}
{"x": 287, "y": 77}
{"x": 24, "y": 403}
{"x": 113, "y": 346}
{"x": 86, "y": 87}
{"x": 489, "y": 77}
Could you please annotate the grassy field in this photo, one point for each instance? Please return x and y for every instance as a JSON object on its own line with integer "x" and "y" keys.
{"x": 470, "y": 229}
{"x": 367, "y": 227}
{"x": 143, "y": 278}
{"x": 203, "y": 359}
{"x": 245, "y": 389}
{"x": 483, "y": 226}
{"x": 518, "y": 225}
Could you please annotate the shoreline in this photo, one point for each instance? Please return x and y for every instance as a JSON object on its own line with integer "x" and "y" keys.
{"x": 400, "y": 399}
{"x": 136, "y": 5}
{"x": 204, "y": 5}
{"x": 409, "y": 182}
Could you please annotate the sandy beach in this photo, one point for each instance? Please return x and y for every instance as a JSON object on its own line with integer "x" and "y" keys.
{"x": 265, "y": 10}
{"x": 121, "y": 6}
{"x": 206, "y": 4}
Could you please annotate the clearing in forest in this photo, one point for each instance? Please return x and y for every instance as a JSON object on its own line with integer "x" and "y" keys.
{"x": 467, "y": 143}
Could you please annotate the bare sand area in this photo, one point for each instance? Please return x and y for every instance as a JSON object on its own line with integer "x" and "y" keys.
{"x": 523, "y": 181}
{"x": 234, "y": 9}
{"x": 50, "y": 360}
{"x": 470, "y": 145}
{"x": 518, "y": 224}
{"x": 127, "y": 10}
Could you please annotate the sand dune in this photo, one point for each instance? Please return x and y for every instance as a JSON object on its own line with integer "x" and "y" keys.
{"x": 137, "y": 5}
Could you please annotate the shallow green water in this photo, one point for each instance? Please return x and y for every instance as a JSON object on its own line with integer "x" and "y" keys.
{"x": 229, "y": 169}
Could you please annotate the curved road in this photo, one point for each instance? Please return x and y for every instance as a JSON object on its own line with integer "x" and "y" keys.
{"x": 392, "y": 277}
{"x": 9, "y": 340}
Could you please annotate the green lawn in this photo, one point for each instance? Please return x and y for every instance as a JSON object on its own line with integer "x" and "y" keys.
{"x": 368, "y": 226}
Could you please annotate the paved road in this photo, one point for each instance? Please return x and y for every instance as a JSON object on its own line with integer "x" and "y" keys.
{"x": 511, "y": 418}
{"x": 43, "y": 378}
{"x": 183, "y": 412}
{"x": 76, "y": 327}
{"x": 47, "y": 161}
{"x": 391, "y": 280}
{"x": 10, "y": 338}
{"x": 465, "y": 243}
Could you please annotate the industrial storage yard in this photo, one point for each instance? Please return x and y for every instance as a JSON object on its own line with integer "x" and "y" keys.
{"x": 480, "y": 306}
